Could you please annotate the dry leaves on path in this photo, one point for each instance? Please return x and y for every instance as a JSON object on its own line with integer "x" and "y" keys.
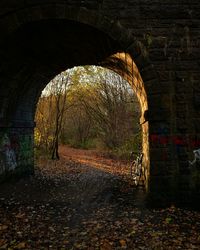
{"x": 68, "y": 205}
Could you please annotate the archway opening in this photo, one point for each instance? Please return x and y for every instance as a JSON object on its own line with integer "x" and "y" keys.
{"x": 38, "y": 51}
{"x": 89, "y": 108}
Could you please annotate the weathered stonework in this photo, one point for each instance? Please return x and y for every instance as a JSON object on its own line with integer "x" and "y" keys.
{"x": 40, "y": 38}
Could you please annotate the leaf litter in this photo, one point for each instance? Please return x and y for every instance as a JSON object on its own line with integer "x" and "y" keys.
{"x": 69, "y": 205}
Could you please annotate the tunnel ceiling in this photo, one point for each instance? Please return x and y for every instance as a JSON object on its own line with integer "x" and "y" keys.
{"x": 46, "y": 48}
{"x": 55, "y": 43}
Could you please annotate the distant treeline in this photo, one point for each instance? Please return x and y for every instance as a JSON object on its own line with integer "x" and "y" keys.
{"x": 88, "y": 107}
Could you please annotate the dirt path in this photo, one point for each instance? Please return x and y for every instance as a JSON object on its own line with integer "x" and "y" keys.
{"x": 85, "y": 202}
{"x": 95, "y": 159}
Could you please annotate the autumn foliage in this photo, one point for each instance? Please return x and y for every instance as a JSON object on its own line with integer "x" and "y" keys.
{"x": 88, "y": 107}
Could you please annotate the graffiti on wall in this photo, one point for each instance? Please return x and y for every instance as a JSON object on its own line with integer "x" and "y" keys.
{"x": 15, "y": 150}
{"x": 2, "y": 164}
{"x": 176, "y": 140}
{"x": 7, "y": 154}
{"x": 26, "y": 152}
{"x": 180, "y": 142}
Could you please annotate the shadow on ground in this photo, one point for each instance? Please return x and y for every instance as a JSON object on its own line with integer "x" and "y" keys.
{"x": 70, "y": 205}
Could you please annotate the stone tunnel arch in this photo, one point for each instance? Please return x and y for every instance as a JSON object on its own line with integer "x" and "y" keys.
{"x": 22, "y": 85}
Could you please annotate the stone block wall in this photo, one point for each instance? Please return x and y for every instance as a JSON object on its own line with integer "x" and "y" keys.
{"x": 163, "y": 40}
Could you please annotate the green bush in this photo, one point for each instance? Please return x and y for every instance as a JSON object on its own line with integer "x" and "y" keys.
{"x": 123, "y": 152}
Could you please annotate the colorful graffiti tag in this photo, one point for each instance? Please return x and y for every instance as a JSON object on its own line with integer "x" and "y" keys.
{"x": 180, "y": 142}
{"x": 9, "y": 154}
{"x": 16, "y": 150}
{"x": 177, "y": 140}
{"x": 26, "y": 152}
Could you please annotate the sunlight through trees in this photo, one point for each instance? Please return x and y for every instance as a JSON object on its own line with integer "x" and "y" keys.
{"x": 88, "y": 107}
